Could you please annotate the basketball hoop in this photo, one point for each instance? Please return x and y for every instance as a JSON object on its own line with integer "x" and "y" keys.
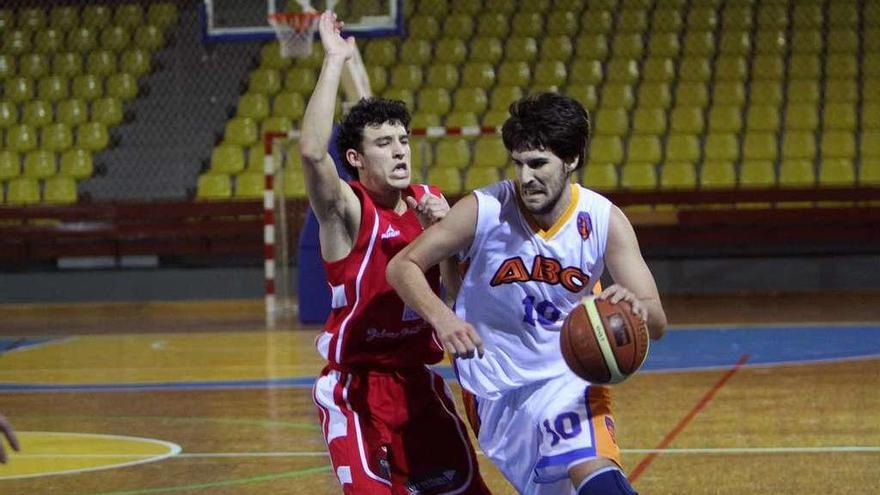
{"x": 295, "y": 32}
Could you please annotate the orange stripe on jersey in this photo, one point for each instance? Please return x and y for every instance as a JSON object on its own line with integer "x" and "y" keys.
{"x": 603, "y": 423}
{"x": 597, "y": 289}
{"x": 560, "y": 222}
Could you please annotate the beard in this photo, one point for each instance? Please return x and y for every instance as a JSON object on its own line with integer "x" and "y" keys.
{"x": 545, "y": 207}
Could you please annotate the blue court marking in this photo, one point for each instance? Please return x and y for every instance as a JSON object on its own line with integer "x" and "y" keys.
{"x": 8, "y": 344}
{"x": 684, "y": 350}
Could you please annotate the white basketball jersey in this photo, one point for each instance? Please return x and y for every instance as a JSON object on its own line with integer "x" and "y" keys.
{"x": 522, "y": 282}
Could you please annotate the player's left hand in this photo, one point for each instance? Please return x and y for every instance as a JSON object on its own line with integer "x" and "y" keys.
{"x": 616, "y": 293}
{"x": 430, "y": 210}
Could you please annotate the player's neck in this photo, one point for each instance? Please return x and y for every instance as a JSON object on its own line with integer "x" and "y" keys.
{"x": 390, "y": 199}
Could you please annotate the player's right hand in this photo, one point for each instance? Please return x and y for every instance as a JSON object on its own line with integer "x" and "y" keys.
{"x": 459, "y": 338}
{"x": 331, "y": 37}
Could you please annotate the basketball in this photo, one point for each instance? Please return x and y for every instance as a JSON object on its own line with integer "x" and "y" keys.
{"x": 603, "y": 343}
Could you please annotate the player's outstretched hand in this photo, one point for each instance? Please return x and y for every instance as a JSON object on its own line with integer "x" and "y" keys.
{"x": 429, "y": 210}
{"x": 6, "y": 429}
{"x": 615, "y": 293}
{"x": 459, "y": 338}
{"x": 331, "y": 37}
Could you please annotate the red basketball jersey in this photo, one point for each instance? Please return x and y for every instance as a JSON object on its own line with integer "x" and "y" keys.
{"x": 368, "y": 324}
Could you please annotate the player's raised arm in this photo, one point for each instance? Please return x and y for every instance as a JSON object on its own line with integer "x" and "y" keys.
{"x": 632, "y": 277}
{"x": 328, "y": 194}
{"x": 406, "y": 273}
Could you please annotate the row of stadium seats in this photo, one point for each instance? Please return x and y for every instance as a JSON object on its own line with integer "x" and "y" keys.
{"x": 82, "y": 39}
{"x": 32, "y": 66}
{"x": 23, "y": 191}
{"x": 94, "y": 16}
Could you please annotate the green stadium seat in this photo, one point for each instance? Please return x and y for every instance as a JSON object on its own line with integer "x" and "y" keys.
{"x": 628, "y": 45}
{"x": 667, "y": 20}
{"x": 632, "y": 21}
{"x": 562, "y": 23}
{"x": 406, "y": 76}
{"x": 23, "y": 191}
{"x": 294, "y": 183}
{"x": 108, "y": 111}
{"x": 717, "y": 175}
{"x": 843, "y": 15}
{"x": 264, "y": 81}
{"x": 87, "y": 87}
{"x": 728, "y": 93}
{"x": 584, "y": 93}
{"x": 870, "y": 117}
{"x": 64, "y": 18}
{"x": 803, "y": 91}
{"x": 622, "y": 71}
{"x": 773, "y": 15}
{"x": 804, "y": 66}
{"x": 606, "y": 149}
{"x": 841, "y": 65}
{"x": 423, "y": 27}
{"x": 82, "y": 39}
{"x": 612, "y": 121}
{"x": 798, "y": 145}
{"x": 290, "y": 105}
{"x": 694, "y": 69}
{"x": 869, "y": 172}
{"x": 503, "y": 96}
{"x": 766, "y": 93}
{"x": 550, "y": 73}
{"x": 699, "y": 44}
{"x": 586, "y": 72}
{"x": 556, "y": 48}
{"x": 807, "y": 16}
{"x": 149, "y": 37}
{"x": 275, "y": 124}
{"x": 649, "y": 121}
{"x": 489, "y": 152}
{"x": 493, "y": 24}
{"x": 452, "y": 153}
{"x": 838, "y": 144}
{"x": 249, "y": 186}
{"x": 378, "y": 77}
{"x": 725, "y": 118}
{"x": 16, "y": 42}
{"x": 129, "y": 15}
{"x": 687, "y": 120}
{"x": 836, "y": 173}
{"x": 115, "y": 38}
{"x": 843, "y": 41}
{"x": 92, "y": 136}
{"x": 476, "y": 178}
{"x": 37, "y": 113}
{"x": 213, "y": 186}
{"x": 737, "y": 18}
{"x": 33, "y": 65}
{"x": 591, "y": 46}
{"x": 702, "y": 19}
{"x": 49, "y": 41}
{"x": 8, "y": 114}
{"x": 768, "y": 67}
{"x": 841, "y": 91}
{"x": 253, "y": 105}
{"x": 486, "y": 49}
{"x": 66, "y": 64}
{"x": 447, "y": 179}
{"x": 122, "y": 85}
{"x": 644, "y": 148}
{"x": 760, "y": 146}
{"x": 797, "y": 173}
{"x": 520, "y": 49}
{"x": 421, "y": 120}
{"x": 271, "y": 58}
{"x": 731, "y": 68}
{"x": 53, "y": 88}
{"x": 10, "y": 165}
{"x": 638, "y": 176}
{"x": 76, "y": 163}
{"x": 492, "y": 118}
{"x": 723, "y": 147}
{"x": 301, "y": 80}
{"x": 255, "y": 157}
{"x": 678, "y": 175}
{"x": 840, "y": 116}
{"x": 658, "y": 69}
{"x": 381, "y": 51}
{"x": 757, "y": 173}
{"x": 596, "y": 21}
{"x": 771, "y": 42}
{"x": 136, "y": 62}
{"x": 241, "y": 131}
{"x": 21, "y": 138}
{"x": 162, "y": 14}
{"x": 470, "y": 100}
{"x": 654, "y": 95}
{"x": 514, "y": 74}
{"x": 59, "y": 190}
{"x": 39, "y": 164}
{"x": 600, "y": 176}
{"x": 101, "y": 63}
{"x": 418, "y": 52}
{"x": 400, "y": 94}
{"x": 663, "y": 44}
{"x": 31, "y": 18}
{"x": 527, "y": 24}
{"x": 478, "y": 75}
{"x": 96, "y": 16}
{"x": 801, "y": 117}
{"x": 617, "y": 96}
{"x": 806, "y": 41}
{"x": 682, "y": 148}
{"x": 459, "y": 26}
{"x": 434, "y": 100}
{"x": 443, "y": 76}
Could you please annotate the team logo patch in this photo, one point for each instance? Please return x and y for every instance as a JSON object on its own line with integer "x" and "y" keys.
{"x": 430, "y": 482}
{"x": 585, "y": 225}
{"x": 609, "y": 423}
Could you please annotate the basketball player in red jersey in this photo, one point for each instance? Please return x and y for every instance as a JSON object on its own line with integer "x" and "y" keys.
{"x": 389, "y": 421}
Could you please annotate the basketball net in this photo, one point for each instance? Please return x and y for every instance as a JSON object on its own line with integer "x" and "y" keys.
{"x": 296, "y": 30}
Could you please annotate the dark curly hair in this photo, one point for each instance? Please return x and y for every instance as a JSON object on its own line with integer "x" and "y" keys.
{"x": 548, "y": 121}
{"x": 368, "y": 111}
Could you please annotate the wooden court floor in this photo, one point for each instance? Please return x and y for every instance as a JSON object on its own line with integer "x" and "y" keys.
{"x": 134, "y": 409}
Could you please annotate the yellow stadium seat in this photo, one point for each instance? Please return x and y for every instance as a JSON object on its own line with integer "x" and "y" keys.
{"x": 797, "y": 173}
{"x": 486, "y": 49}
{"x": 591, "y": 46}
{"x": 584, "y": 93}
{"x": 622, "y": 71}
{"x": 48, "y": 41}
{"x": 806, "y": 41}
{"x": 56, "y": 137}
{"x": 82, "y": 39}
{"x": 596, "y": 21}
{"x": 514, "y": 74}
{"x": 606, "y": 149}
{"x": 702, "y": 19}
{"x": 841, "y": 65}
{"x": 381, "y": 51}
{"x": 10, "y": 165}
{"x": 101, "y": 63}
{"x": 617, "y": 96}
{"x": 23, "y": 191}
{"x": 478, "y": 75}
{"x": 632, "y": 21}
{"x": 807, "y": 16}
{"x": 254, "y": 163}
{"x": 294, "y": 183}
{"x": 836, "y": 173}
{"x": 728, "y": 93}
{"x": 687, "y": 120}
{"x": 114, "y": 38}
{"x": 771, "y": 42}
{"x": 699, "y": 44}
{"x": 489, "y": 152}
{"x": 843, "y": 41}
{"x": 664, "y": 44}
{"x": 436, "y": 9}
{"x": 666, "y": 20}
{"x": 869, "y": 172}
{"x": 550, "y": 73}
{"x": 737, "y": 17}
{"x": 586, "y": 72}
{"x": 214, "y": 186}
{"x": 59, "y": 190}
{"x": 465, "y": 119}
{"x": 658, "y": 69}
{"x": 470, "y": 100}
{"x": 725, "y": 118}
{"x": 378, "y": 77}
{"x": 804, "y": 66}
{"x": 76, "y": 163}
{"x": 562, "y": 23}
{"x": 449, "y": 51}
{"x": 249, "y": 186}
{"x": 31, "y": 18}
{"x": 841, "y": 90}
{"x": 135, "y": 61}
{"x": 16, "y": 42}
{"x": 37, "y": 113}
{"x": 644, "y": 148}
{"x": 66, "y": 64}
{"x": 459, "y": 26}
{"x": 499, "y": 6}
{"x": 628, "y": 45}
{"x": 404, "y": 95}
{"x": 717, "y": 175}
{"x": 838, "y": 144}
{"x": 649, "y": 121}
{"x": 870, "y": 117}
{"x": 766, "y": 93}
{"x": 8, "y": 114}
{"x": 493, "y": 24}
{"x": 798, "y": 145}
{"x": 108, "y": 111}
{"x": 773, "y": 15}
{"x": 18, "y": 89}
{"x": 129, "y": 15}
{"x": 87, "y": 87}
{"x": 678, "y": 175}
{"x": 722, "y": 147}
{"x": 434, "y": 100}
{"x": 241, "y": 131}
{"x": 768, "y": 67}
{"x": 265, "y": 81}
{"x": 479, "y": 177}
{"x": 682, "y": 148}
{"x": 803, "y": 91}
{"x": 760, "y": 146}
{"x": 443, "y": 76}
{"x": 527, "y": 23}
{"x": 7, "y": 66}
{"x": 271, "y": 58}
{"x": 149, "y": 37}
{"x": 406, "y": 77}
{"x": 600, "y": 176}
{"x": 494, "y": 118}
{"x": 301, "y": 80}
{"x": 447, "y": 179}
{"x": 314, "y": 60}
{"x": 253, "y": 105}
{"x": 654, "y": 95}
{"x": 694, "y": 69}
{"x": 758, "y": 173}
{"x": 762, "y": 118}
{"x": 422, "y": 120}
{"x": 64, "y": 17}
{"x": 92, "y": 136}
{"x": 96, "y": 16}
{"x": 612, "y": 121}
{"x": 801, "y": 117}
{"x": 638, "y": 176}
{"x": 7, "y": 19}
{"x": 839, "y": 116}
{"x": 21, "y": 138}
{"x": 53, "y": 88}
{"x": 39, "y": 164}
{"x": 452, "y": 153}
{"x": 520, "y": 49}
{"x": 421, "y": 156}
{"x": 730, "y": 68}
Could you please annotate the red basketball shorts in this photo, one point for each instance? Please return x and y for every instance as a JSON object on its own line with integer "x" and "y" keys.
{"x": 395, "y": 433}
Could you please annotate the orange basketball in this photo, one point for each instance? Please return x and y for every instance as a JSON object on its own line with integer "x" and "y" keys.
{"x": 603, "y": 343}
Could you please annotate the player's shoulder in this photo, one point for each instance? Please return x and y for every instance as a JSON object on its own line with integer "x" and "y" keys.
{"x": 497, "y": 193}
{"x": 593, "y": 198}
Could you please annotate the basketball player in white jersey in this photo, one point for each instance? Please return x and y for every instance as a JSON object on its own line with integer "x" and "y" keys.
{"x": 534, "y": 247}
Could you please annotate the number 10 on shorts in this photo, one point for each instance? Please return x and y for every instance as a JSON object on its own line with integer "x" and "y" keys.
{"x": 566, "y": 426}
